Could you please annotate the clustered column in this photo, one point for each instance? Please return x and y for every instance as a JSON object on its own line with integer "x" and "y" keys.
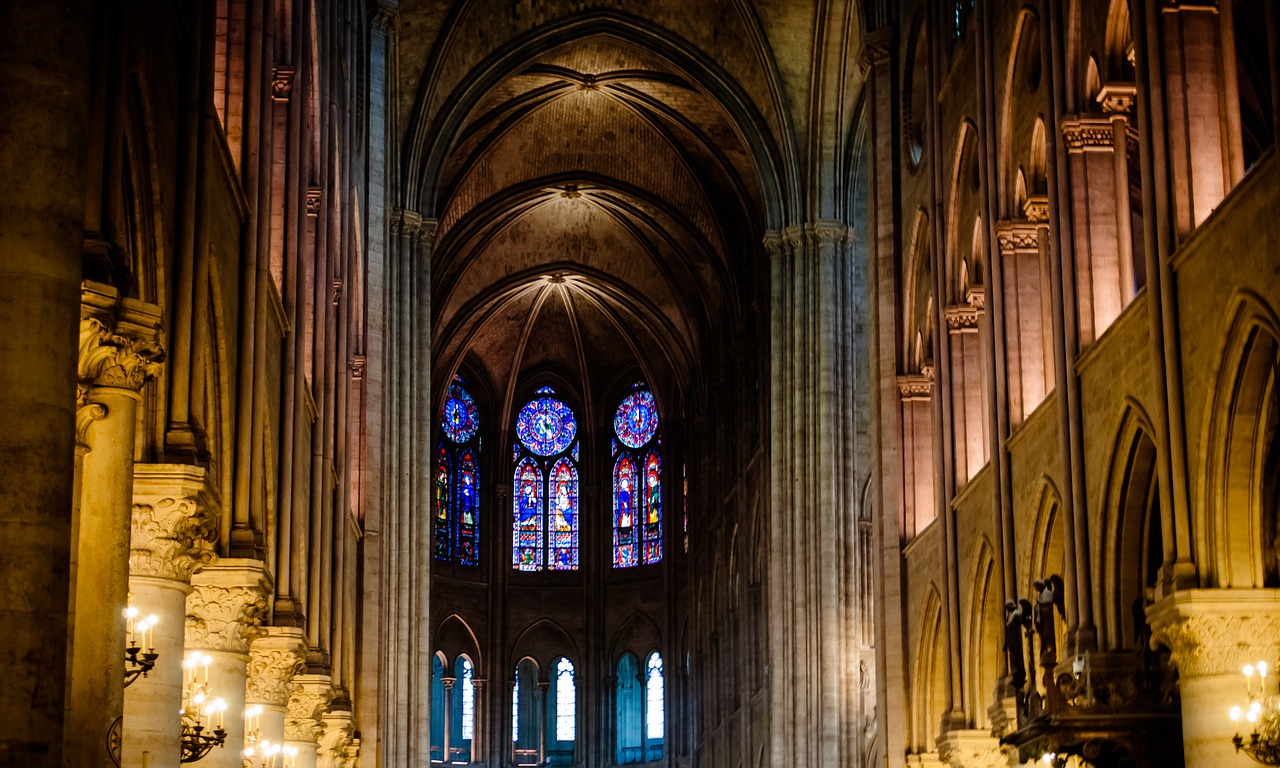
{"x": 174, "y": 523}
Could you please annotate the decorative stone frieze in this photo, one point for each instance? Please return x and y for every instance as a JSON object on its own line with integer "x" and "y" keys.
{"x": 1216, "y": 632}
{"x": 119, "y": 340}
{"x": 281, "y": 83}
{"x": 1014, "y": 237}
{"x": 962, "y": 317}
{"x": 915, "y": 387}
{"x": 227, "y": 606}
{"x": 1088, "y": 134}
{"x": 307, "y": 703}
{"x": 275, "y": 659}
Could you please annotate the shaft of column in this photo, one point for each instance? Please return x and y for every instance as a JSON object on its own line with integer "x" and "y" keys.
{"x": 174, "y": 522}
{"x": 45, "y": 51}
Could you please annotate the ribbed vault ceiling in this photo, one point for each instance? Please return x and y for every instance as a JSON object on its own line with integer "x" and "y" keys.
{"x": 595, "y": 211}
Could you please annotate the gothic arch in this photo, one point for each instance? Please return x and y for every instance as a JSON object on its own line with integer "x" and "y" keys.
{"x": 962, "y": 208}
{"x": 544, "y": 641}
{"x": 454, "y": 638}
{"x": 1021, "y": 85}
{"x": 1238, "y": 533}
{"x": 1130, "y": 509}
{"x": 1046, "y": 546}
{"x": 638, "y": 634}
{"x": 929, "y": 682}
{"x": 984, "y": 638}
{"x": 918, "y": 298}
{"x": 1119, "y": 43}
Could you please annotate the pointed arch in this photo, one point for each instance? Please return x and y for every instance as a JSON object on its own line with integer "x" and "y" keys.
{"x": 984, "y": 638}
{"x": 929, "y": 684}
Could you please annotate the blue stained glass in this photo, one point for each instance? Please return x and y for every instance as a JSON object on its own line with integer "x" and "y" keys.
{"x": 652, "y": 509}
{"x": 624, "y": 513}
{"x": 636, "y": 421}
{"x": 461, "y": 417}
{"x": 442, "y": 504}
{"x": 467, "y": 503}
{"x": 526, "y": 535}
{"x": 563, "y": 546}
{"x": 546, "y": 426}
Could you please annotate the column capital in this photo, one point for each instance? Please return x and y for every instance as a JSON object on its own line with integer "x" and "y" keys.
{"x": 305, "y": 709}
{"x": 1217, "y": 631}
{"x": 281, "y": 82}
{"x": 971, "y": 749}
{"x": 962, "y": 317}
{"x": 1117, "y": 98}
{"x": 119, "y": 340}
{"x": 227, "y": 606}
{"x": 876, "y": 48}
{"x": 1017, "y": 236}
{"x": 174, "y": 521}
{"x": 915, "y": 386}
{"x": 1088, "y": 133}
{"x": 275, "y": 659}
{"x": 336, "y": 739}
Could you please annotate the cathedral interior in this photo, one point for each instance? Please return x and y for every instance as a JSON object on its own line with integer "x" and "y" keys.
{"x": 681, "y": 383}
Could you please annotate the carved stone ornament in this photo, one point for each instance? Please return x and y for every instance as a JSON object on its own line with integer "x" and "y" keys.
{"x": 313, "y": 201}
{"x": 1088, "y": 134}
{"x": 281, "y": 83}
{"x": 1216, "y": 632}
{"x": 86, "y": 415}
{"x": 307, "y": 703}
{"x": 915, "y": 387}
{"x": 976, "y": 297}
{"x": 970, "y": 749}
{"x": 1117, "y": 98}
{"x": 962, "y": 317}
{"x": 224, "y": 618}
{"x": 335, "y": 740}
{"x": 274, "y": 660}
{"x": 109, "y": 359}
{"x": 357, "y": 367}
{"x": 170, "y": 538}
{"x": 1017, "y": 237}
{"x": 1036, "y": 208}
{"x": 875, "y": 50}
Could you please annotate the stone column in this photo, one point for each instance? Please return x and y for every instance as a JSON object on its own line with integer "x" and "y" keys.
{"x": 224, "y": 615}
{"x": 118, "y": 355}
{"x": 174, "y": 521}
{"x": 303, "y": 723}
{"x": 274, "y": 660}
{"x": 335, "y": 741}
{"x": 1212, "y": 634}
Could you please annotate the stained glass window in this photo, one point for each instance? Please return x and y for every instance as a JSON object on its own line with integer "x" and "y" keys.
{"x": 566, "y": 699}
{"x": 456, "y": 480}
{"x": 654, "y": 711}
{"x": 637, "y": 481}
{"x": 468, "y": 702}
{"x": 545, "y": 500}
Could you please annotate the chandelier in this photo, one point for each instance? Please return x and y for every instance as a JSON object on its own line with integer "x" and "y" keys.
{"x": 138, "y": 663}
{"x": 1261, "y": 715}
{"x": 200, "y": 710}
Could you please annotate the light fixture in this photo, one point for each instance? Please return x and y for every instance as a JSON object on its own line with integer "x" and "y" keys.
{"x": 200, "y": 710}
{"x": 138, "y": 663}
{"x": 1262, "y": 714}
{"x": 268, "y": 755}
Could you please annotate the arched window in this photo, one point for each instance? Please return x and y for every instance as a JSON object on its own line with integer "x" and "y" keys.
{"x": 561, "y": 714}
{"x": 655, "y": 713}
{"x": 629, "y": 707}
{"x": 545, "y": 494}
{"x": 637, "y": 481}
{"x": 457, "y": 479}
{"x": 462, "y": 708}
{"x": 526, "y": 742}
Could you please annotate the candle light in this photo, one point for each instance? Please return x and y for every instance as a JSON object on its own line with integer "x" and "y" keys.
{"x": 152, "y": 621}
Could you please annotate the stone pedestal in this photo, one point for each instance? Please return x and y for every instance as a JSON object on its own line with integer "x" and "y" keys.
{"x": 174, "y": 520}
{"x": 304, "y": 722}
{"x": 225, "y": 610}
{"x": 274, "y": 660}
{"x": 1212, "y": 634}
{"x": 118, "y": 355}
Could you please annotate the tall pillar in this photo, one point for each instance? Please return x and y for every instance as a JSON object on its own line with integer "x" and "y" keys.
{"x": 225, "y": 610}
{"x": 303, "y": 723}
{"x": 45, "y": 51}
{"x": 274, "y": 660}
{"x": 118, "y": 355}
{"x": 1212, "y": 634}
{"x": 174, "y": 522}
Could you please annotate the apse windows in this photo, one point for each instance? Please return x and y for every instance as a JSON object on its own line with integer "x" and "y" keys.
{"x": 452, "y": 711}
{"x": 562, "y": 714}
{"x": 456, "y": 482}
{"x": 637, "y": 481}
{"x": 543, "y": 719}
{"x": 640, "y": 710}
{"x": 545, "y": 486}
{"x": 526, "y": 741}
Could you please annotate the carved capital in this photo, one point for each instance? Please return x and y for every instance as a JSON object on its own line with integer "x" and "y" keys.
{"x": 1014, "y": 237}
{"x": 85, "y": 416}
{"x": 970, "y": 749}
{"x": 308, "y": 701}
{"x": 876, "y": 49}
{"x": 335, "y": 739}
{"x": 1088, "y": 134}
{"x": 174, "y": 521}
{"x": 357, "y": 367}
{"x": 119, "y": 340}
{"x": 227, "y": 606}
{"x": 826, "y": 234}
{"x": 915, "y": 387}
{"x": 1117, "y": 98}
{"x": 962, "y": 317}
{"x": 1036, "y": 208}
{"x": 275, "y": 658}
{"x": 313, "y": 201}
{"x": 1217, "y": 631}
{"x": 281, "y": 83}
{"x": 382, "y": 16}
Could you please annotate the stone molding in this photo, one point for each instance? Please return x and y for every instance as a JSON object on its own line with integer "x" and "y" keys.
{"x": 1016, "y": 236}
{"x": 174, "y": 521}
{"x": 314, "y": 195}
{"x": 1036, "y": 209}
{"x": 1117, "y": 98}
{"x": 1088, "y": 133}
{"x": 876, "y": 49}
{"x": 307, "y": 703}
{"x": 971, "y": 749}
{"x": 824, "y": 233}
{"x": 336, "y": 740}
{"x": 915, "y": 387}
{"x": 86, "y": 415}
{"x": 119, "y": 340}
{"x": 962, "y": 317}
{"x": 1217, "y": 631}
{"x": 281, "y": 83}
{"x": 227, "y": 606}
{"x": 275, "y": 659}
